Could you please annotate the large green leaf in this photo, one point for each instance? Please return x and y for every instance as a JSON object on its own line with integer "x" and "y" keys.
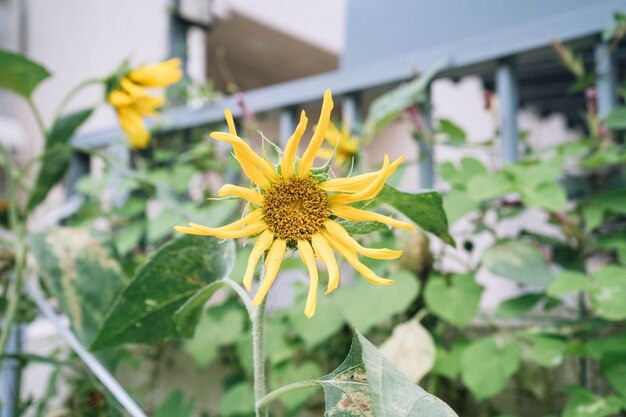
{"x": 487, "y": 365}
{"x": 367, "y": 385}
{"x": 57, "y": 155}
{"x": 425, "y": 209}
{"x": 82, "y": 274}
{"x": 568, "y": 282}
{"x": 467, "y": 169}
{"x": 608, "y": 292}
{"x": 455, "y": 299}
{"x": 518, "y": 261}
{"x": 518, "y": 306}
{"x": 584, "y": 403}
{"x": 19, "y": 74}
{"x": 387, "y": 107}
{"x": 616, "y": 119}
{"x": 613, "y": 367}
{"x": 144, "y": 312}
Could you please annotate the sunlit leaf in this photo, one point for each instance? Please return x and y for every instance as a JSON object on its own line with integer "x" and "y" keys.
{"x": 518, "y": 261}
{"x": 608, "y": 292}
{"x": 455, "y": 299}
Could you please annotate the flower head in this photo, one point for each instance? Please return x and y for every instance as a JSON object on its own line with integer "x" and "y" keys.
{"x": 344, "y": 145}
{"x": 292, "y": 208}
{"x": 131, "y": 101}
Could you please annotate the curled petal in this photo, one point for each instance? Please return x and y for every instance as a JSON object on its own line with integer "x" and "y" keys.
{"x": 131, "y": 88}
{"x": 325, "y": 253}
{"x": 368, "y": 192}
{"x": 318, "y": 136}
{"x": 244, "y": 151}
{"x": 247, "y": 194}
{"x": 352, "y": 258}
{"x": 260, "y": 246}
{"x": 158, "y": 75}
{"x": 223, "y": 233}
{"x": 358, "y": 182}
{"x": 357, "y": 215}
{"x": 228, "y": 115}
{"x": 342, "y": 235}
{"x": 308, "y": 257}
{"x": 132, "y": 124}
{"x": 292, "y": 146}
{"x": 272, "y": 265}
{"x": 120, "y": 98}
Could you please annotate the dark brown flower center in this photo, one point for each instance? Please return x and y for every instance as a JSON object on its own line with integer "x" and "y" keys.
{"x": 295, "y": 208}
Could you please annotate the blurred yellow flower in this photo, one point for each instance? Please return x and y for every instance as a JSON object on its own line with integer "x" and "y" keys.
{"x": 347, "y": 146}
{"x": 290, "y": 208}
{"x": 132, "y": 102}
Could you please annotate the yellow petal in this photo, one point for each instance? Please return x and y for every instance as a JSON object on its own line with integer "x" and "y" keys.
{"x": 159, "y": 75}
{"x": 352, "y": 258}
{"x": 147, "y": 105}
{"x": 357, "y": 215}
{"x": 358, "y": 182}
{"x": 242, "y": 192}
{"x": 263, "y": 242}
{"x": 134, "y": 90}
{"x": 230, "y": 122}
{"x": 341, "y": 234}
{"x": 120, "y": 98}
{"x": 249, "y": 230}
{"x": 272, "y": 265}
{"x": 292, "y": 146}
{"x": 325, "y": 153}
{"x": 368, "y": 192}
{"x": 250, "y": 218}
{"x": 244, "y": 150}
{"x": 325, "y": 253}
{"x": 332, "y": 134}
{"x": 132, "y": 124}
{"x": 318, "y": 135}
{"x": 308, "y": 257}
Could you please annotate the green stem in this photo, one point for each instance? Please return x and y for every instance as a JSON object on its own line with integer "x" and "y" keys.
{"x": 70, "y": 94}
{"x": 274, "y": 395}
{"x": 38, "y": 117}
{"x": 245, "y": 298}
{"x": 258, "y": 356}
{"x": 19, "y": 228}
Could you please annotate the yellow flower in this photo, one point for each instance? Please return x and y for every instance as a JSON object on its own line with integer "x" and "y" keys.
{"x": 290, "y": 208}
{"x": 132, "y": 103}
{"x": 347, "y": 146}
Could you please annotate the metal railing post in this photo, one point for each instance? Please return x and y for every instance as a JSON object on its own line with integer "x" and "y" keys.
{"x": 10, "y": 374}
{"x": 506, "y": 90}
{"x": 426, "y": 167}
{"x": 351, "y": 109}
{"x": 606, "y": 81}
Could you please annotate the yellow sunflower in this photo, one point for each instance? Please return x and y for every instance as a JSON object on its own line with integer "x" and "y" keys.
{"x": 347, "y": 146}
{"x": 291, "y": 208}
{"x": 132, "y": 102}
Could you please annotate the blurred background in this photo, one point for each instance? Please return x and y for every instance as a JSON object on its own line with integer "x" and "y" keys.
{"x": 498, "y": 78}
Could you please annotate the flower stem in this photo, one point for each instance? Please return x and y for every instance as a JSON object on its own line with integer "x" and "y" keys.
{"x": 258, "y": 356}
{"x": 274, "y": 395}
{"x": 70, "y": 95}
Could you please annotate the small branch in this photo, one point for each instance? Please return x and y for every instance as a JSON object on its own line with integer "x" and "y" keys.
{"x": 258, "y": 355}
{"x": 264, "y": 402}
{"x": 38, "y": 118}
{"x": 245, "y": 298}
{"x": 70, "y": 95}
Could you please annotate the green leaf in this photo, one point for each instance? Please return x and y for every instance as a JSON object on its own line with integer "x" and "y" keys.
{"x": 425, "y": 209}
{"x": 448, "y": 363}
{"x": 486, "y": 366}
{"x": 290, "y": 373}
{"x": 613, "y": 367}
{"x": 547, "y": 351}
{"x": 568, "y": 282}
{"x": 608, "y": 292}
{"x": 129, "y": 236}
{"x": 144, "y": 312}
{"x": 458, "y": 177}
{"x": 487, "y": 186}
{"x": 81, "y": 273}
{"x": 326, "y": 322}
{"x": 518, "y": 306}
{"x": 175, "y": 405}
{"x": 411, "y": 349}
{"x": 616, "y": 119}
{"x": 615, "y": 241}
{"x": 363, "y": 228}
{"x": 188, "y": 315}
{"x": 238, "y": 401}
{"x": 549, "y": 196}
{"x": 455, "y": 299}
{"x": 457, "y": 204}
{"x": 456, "y": 136}
{"x": 355, "y": 302}
{"x": 367, "y": 385}
{"x": 518, "y": 261}
{"x": 19, "y": 74}
{"x": 387, "y": 107}
{"x": 57, "y": 154}
{"x": 598, "y": 347}
{"x": 218, "y": 326}
{"x": 584, "y": 403}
